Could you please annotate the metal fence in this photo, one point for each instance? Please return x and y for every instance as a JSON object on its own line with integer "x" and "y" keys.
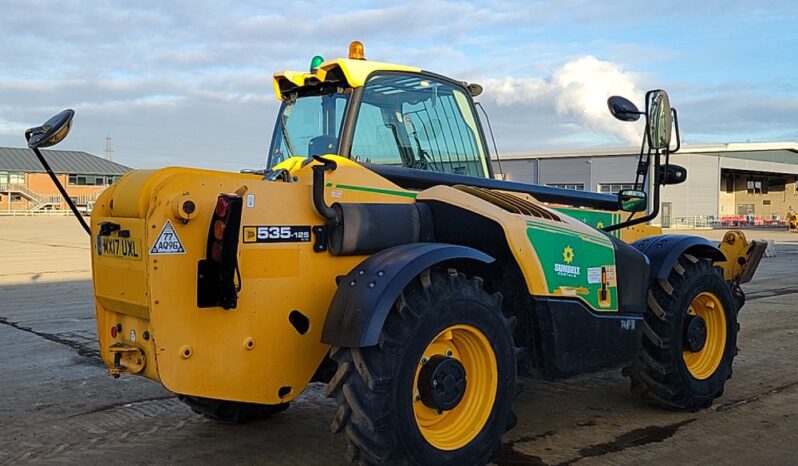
{"x": 707, "y": 222}
{"x": 35, "y": 213}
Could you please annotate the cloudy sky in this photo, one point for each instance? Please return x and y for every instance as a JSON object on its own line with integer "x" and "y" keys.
{"x": 189, "y": 82}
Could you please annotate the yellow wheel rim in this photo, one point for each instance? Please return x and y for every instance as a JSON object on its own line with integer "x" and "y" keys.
{"x": 702, "y": 364}
{"x": 454, "y": 429}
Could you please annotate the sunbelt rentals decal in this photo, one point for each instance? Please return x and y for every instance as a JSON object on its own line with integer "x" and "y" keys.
{"x": 566, "y": 269}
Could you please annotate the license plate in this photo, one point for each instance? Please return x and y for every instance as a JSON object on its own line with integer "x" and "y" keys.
{"x": 123, "y": 248}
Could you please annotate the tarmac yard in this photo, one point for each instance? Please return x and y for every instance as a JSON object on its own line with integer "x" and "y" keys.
{"x": 59, "y": 405}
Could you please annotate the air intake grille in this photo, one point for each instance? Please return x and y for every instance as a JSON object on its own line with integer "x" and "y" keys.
{"x": 509, "y": 202}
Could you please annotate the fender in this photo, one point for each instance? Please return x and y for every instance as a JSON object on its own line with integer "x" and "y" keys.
{"x": 664, "y": 250}
{"x": 367, "y": 293}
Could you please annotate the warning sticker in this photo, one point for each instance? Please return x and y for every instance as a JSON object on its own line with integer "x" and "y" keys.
{"x": 168, "y": 241}
{"x": 594, "y": 275}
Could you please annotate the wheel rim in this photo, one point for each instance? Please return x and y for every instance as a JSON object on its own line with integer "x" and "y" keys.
{"x": 455, "y": 428}
{"x": 703, "y": 363}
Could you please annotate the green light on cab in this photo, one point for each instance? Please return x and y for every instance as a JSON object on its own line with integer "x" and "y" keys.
{"x": 316, "y": 63}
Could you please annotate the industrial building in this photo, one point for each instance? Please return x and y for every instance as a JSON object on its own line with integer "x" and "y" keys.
{"x": 752, "y": 180}
{"x": 26, "y": 188}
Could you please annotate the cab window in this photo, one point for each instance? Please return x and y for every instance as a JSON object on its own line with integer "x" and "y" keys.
{"x": 418, "y": 122}
{"x": 308, "y": 125}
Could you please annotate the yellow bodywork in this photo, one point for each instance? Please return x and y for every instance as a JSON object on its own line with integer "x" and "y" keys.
{"x": 251, "y": 353}
{"x": 743, "y": 256}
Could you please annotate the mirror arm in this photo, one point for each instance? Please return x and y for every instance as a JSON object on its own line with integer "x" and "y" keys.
{"x": 655, "y": 210}
{"x": 676, "y": 128}
{"x": 60, "y": 187}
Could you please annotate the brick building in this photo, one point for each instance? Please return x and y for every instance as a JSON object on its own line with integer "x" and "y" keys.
{"x": 25, "y": 186}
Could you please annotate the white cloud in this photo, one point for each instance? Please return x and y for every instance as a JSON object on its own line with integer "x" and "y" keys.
{"x": 576, "y": 93}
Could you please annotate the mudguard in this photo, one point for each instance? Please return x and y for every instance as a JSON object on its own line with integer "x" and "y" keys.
{"x": 367, "y": 293}
{"x": 664, "y": 250}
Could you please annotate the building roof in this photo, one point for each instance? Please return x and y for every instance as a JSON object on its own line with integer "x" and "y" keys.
{"x": 62, "y": 161}
{"x": 723, "y": 149}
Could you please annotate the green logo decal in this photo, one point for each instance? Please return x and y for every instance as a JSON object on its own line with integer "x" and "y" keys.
{"x": 576, "y": 264}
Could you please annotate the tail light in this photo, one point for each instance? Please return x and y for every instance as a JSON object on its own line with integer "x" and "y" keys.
{"x": 218, "y": 278}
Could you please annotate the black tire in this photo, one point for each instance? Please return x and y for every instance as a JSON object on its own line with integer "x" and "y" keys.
{"x": 660, "y": 374}
{"x": 374, "y": 386}
{"x": 231, "y": 412}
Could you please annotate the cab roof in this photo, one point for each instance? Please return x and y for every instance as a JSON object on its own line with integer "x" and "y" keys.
{"x": 353, "y": 72}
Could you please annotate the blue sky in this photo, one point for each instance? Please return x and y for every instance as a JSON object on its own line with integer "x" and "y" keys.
{"x": 189, "y": 82}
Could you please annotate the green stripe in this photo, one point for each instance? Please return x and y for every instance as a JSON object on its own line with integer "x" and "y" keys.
{"x": 557, "y": 229}
{"x": 589, "y": 239}
{"x": 585, "y": 239}
{"x": 566, "y": 230}
{"x": 367, "y": 189}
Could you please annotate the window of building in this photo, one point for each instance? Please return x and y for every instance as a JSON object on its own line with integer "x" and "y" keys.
{"x": 745, "y": 209}
{"x": 573, "y": 186}
{"x": 613, "y": 188}
{"x": 92, "y": 180}
{"x": 12, "y": 178}
{"x": 766, "y": 202}
{"x": 756, "y": 186}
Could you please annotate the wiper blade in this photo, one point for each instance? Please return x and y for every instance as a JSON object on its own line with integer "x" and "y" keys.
{"x": 288, "y": 145}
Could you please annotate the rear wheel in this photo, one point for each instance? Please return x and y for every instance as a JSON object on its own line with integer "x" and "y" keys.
{"x": 437, "y": 388}
{"x": 689, "y": 338}
{"x": 231, "y": 412}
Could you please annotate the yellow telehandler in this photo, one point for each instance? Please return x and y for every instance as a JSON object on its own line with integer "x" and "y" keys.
{"x": 378, "y": 254}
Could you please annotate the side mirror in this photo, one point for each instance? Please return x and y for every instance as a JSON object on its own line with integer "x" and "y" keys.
{"x": 630, "y": 200}
{"x": 660, "y": 119}
{"x": 623, "y": 109}
{"x": 51, "y": 132}
{"x": 675, "y": 174}
{"x": 474, "y": 89}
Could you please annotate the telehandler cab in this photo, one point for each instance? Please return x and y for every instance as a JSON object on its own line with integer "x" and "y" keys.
{"x": 378, "y": 254}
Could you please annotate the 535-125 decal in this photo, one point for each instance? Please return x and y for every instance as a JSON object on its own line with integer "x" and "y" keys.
{"x": 277, "y": 234}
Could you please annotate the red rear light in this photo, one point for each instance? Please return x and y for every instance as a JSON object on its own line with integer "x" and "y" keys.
{"x": 218, "y": 229}
{"x": 218, "y": 283}
{"x": 216, "y": 252}
{"x": 222, "y": 205}
{"x": 114, "y": 331}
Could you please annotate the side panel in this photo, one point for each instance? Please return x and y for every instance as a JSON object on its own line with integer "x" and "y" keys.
{"x": 557, "y": 258}
{"x": 576, "y": 264}
{"x": 573, "y": 340}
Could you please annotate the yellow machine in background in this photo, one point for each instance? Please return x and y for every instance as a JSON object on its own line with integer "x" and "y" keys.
{"x": 378, "y": 254}
{"x": 792, "y": 220}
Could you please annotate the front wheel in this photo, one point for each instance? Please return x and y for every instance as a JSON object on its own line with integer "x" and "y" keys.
{"x": 437, "y": 388}
{"x": 689, "y": 338}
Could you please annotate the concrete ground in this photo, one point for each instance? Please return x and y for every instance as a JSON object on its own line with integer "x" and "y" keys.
{"x": 59, "y": 405}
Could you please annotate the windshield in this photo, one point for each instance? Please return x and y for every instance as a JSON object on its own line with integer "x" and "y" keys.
{"x": 420, "y": 122}
{"x": 308, "y": 126}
